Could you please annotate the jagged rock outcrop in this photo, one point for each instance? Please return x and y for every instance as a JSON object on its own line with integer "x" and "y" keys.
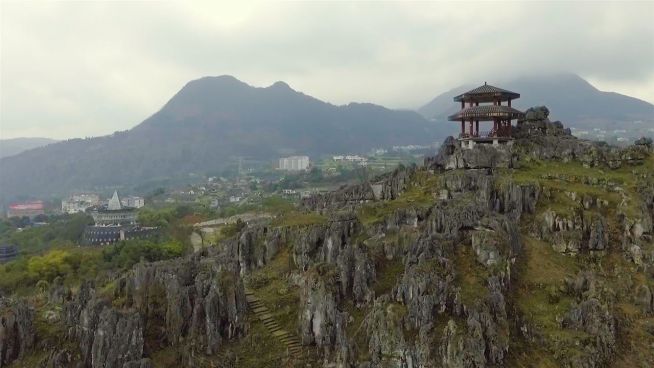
{"x": 576, "y": 232}
{"x": 58, "y": 293}
{"x": 482, "y": 156}
{"x": 427, "y": 285}
{"x": 17, "y": 333}
{"x": 106, "y": 337}
{"x": 594, "y": 319}
{"x": 457, "y": 351}
{"x": 334, "y": 244}
{"x": 201, "y": 300}
{"x": 387, "y": 344}
{"x": 143, "y": 363}
{"x": 384, "y": 187}
{"x": 537, "y": 137}
{"x": 196, "y": 300}
{"x": 320, "y": 322}
{"x": 57, "y": 358}
{"x": 118, "y": 339}
{"x": 644, "y": 299}
{"x": 644, "y": 141}
{"x": 256, "y": 245}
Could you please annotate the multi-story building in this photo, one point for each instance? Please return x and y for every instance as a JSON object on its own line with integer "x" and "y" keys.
{"x": 133, "y": 201}
{"x": 8, "y": 252}
{"x": 294, "y": 163}
{"x": 26, "y": 209}
{"x": 79, "y": 202}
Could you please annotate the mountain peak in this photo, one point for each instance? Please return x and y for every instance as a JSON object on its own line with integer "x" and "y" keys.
{"x": 280, "y": 85}
{"x": 221, "y": 80}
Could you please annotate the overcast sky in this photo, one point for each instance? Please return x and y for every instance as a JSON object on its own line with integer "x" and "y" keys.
{"x": 75, "y": 69}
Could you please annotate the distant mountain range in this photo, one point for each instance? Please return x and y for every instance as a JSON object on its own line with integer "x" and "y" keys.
{"x": 570, "y": 99}
{"x": 205, "y": 124}
{"x": 213, "y": 120}
{"x": 14, "y": 146}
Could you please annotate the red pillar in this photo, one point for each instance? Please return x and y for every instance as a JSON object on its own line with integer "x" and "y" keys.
{"x": 477, "y": 127}
{"x": 470, "y": 127}
{"x": 509, "y": 102}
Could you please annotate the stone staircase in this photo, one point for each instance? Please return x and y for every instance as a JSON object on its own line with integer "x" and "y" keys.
{"x": 290, "y": 340}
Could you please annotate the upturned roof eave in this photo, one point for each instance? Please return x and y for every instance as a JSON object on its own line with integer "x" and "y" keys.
{"x": 486, "y": 93}
{"x": 485, "y": 113}
{"x": 486, "y": 97}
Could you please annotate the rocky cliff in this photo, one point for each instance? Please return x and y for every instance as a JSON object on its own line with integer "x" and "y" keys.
{"x": 541, "y": 251}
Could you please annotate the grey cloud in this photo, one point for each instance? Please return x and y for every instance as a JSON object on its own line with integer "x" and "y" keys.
{"x": 78, "y": 69}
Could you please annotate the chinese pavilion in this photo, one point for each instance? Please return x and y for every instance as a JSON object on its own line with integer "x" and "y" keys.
{"x": 492, "y": 109}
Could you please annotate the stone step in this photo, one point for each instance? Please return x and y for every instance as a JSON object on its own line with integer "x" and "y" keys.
{"x": 291, "y": 341}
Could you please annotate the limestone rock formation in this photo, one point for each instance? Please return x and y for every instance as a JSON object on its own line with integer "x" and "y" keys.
{"x": 106, "y": 337}
{"x": 200, "y": 300}
{"x": 17, "y": 334}
{"x": 385, "y": 187}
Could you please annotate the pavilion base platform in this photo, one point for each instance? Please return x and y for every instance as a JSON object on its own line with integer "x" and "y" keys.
{"x": 471, "y": 142}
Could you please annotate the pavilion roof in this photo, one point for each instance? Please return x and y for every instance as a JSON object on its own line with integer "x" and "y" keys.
{"x": 486, "y": 93}
{"x": 487, "y": 112}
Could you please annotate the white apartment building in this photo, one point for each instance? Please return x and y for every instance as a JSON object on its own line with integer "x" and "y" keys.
{"x": 79, "y": 202}
{"x": 294, "y": 163}
{"x": 133, "y": 201}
